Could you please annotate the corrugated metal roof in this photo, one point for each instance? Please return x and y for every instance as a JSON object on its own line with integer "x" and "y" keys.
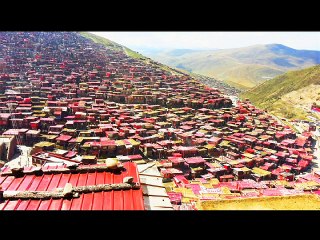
{"x": 108, "y": 200}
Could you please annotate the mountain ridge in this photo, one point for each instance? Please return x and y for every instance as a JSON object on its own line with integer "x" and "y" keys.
{"x": 243, "y": 67}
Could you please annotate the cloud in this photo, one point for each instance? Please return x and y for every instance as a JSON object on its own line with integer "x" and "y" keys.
{"x": 210, "y": 40}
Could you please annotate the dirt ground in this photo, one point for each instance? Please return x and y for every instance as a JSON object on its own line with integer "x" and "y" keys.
{"x": 299, "y": 202}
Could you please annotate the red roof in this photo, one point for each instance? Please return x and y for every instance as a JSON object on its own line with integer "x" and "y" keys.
{"x": 281, "y": 154}
{"x": 180, "y": 180}
{"x": 271, "y": 192}
{"x": 227, "y": 176}
{"x": 307, "y": 134}
{"x": 301, "y": 141}
{"x": 107, "y": 200}
{"x": 108, "y": 143}
{"x": 250, "y": 150}
{"x": 175, "y": 196}
{"x": 135, "y": 157}
{"x": 246, "y": 184}
{"x": 184, "y": 148}
{"x": 195, "y": 160}
{"x": 195, "y": 188}
{"x": 71, "y": 154}
{"x": 214, "y": 140}
{"x": 176, "y": 160}
{"x": 64, "y": 138}
{"x": 303, "y": 163}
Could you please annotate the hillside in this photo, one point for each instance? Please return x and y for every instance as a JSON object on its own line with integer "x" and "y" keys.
{"x": 211, "y": 82}
{"x": 115, "y": 46}
{"x": 289, "y": 95}
{"x": 240, "y": 67}
{"x": 204, "y": 79}
{"x": 107, "y": 131}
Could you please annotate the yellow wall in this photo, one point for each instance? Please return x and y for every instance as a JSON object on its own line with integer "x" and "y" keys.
{"x": 299, "y": 202}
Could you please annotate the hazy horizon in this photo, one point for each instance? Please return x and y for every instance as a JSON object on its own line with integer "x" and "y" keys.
{"x": 212, "y": 40}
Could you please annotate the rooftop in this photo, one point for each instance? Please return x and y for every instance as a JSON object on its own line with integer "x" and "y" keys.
{"x": 130, "y": 199}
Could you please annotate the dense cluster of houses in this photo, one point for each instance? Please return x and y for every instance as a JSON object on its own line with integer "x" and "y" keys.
{"x": 189, "y": 194}
{"x": 76, "y": 101}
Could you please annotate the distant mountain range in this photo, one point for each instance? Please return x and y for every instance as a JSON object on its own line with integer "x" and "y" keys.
{"x": 290, "y": 95}
{"x": 244, "y": 67}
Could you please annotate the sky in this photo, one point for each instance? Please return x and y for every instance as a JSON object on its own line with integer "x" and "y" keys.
{"x": 212, "y": 40}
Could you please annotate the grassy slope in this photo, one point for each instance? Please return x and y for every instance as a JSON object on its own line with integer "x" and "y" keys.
{"x": 249, "y": 75}
{"x": 242, "y": 76}
{"x": 129, "y": 52}
{"x": 104, "y": 41}
{"x": 270, "y": 94}
{"x": 113, "y": 45}
{"x": 242, "y": 67}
